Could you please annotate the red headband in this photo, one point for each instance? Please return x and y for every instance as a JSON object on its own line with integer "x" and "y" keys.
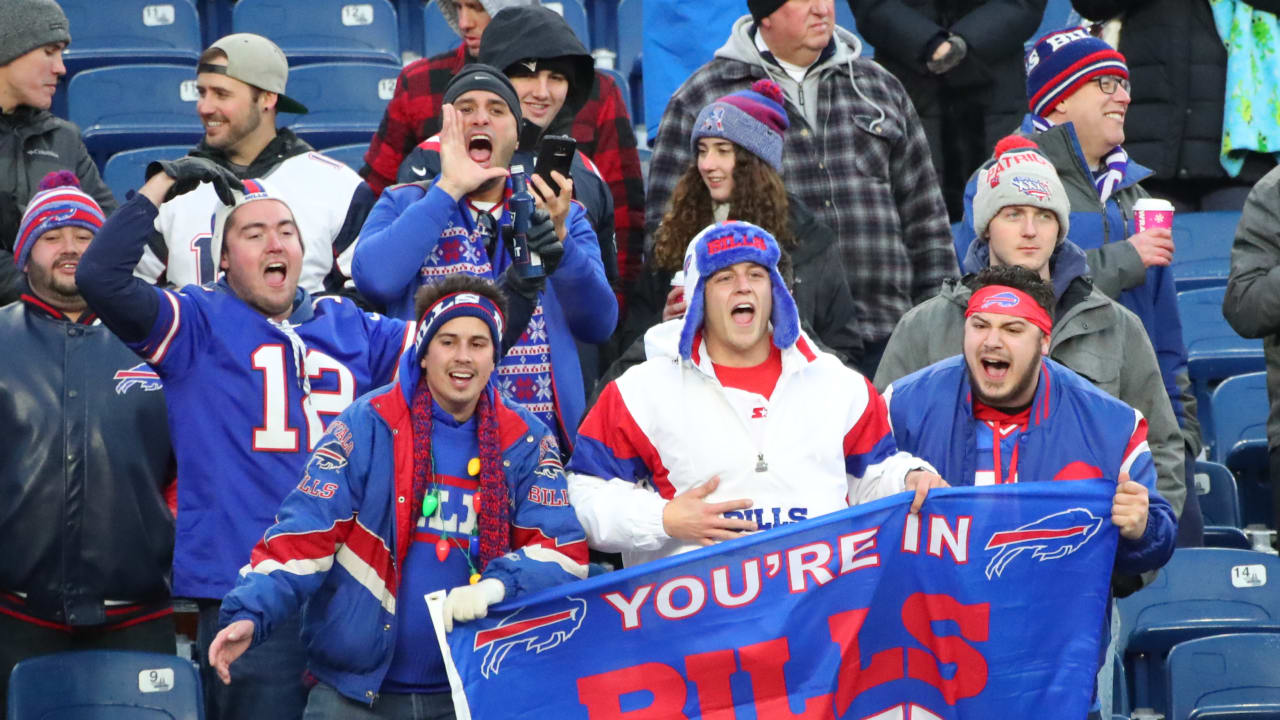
{"x": 1004, "y": 300}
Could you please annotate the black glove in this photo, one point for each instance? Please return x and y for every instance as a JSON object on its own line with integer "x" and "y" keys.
{"x": 189, "y": 172}
{"x": 543, "y": 240}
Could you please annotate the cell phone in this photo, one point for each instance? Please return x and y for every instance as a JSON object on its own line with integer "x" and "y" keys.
{"x": 555, "y": 152}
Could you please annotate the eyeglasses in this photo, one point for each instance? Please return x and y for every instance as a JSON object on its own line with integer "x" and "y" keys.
{"x": 1108, "y": 84}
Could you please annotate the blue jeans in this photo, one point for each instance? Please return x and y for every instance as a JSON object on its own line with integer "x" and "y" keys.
{"x": 325, "y": 703}
{"x": 266, "y": 682}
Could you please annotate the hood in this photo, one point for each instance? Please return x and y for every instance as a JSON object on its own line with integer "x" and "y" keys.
{"x": 28, "y": 120}
{"x": 741, "y": 46}
{"x": 663, "y": 340}
{"x": 282, "y": 147}
{"x": 1067, "y": 263}
{"x": 521, "y": 33}
{"x": 450, "y": 11}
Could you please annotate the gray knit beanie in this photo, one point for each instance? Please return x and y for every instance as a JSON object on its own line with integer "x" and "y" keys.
{"x": 1019, "y": 175}
{"x": 28, "y": 24}
{"x": 449, "y": 9}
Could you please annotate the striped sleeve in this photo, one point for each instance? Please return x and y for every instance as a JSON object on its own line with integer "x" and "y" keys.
{"x": 870, "y": 440}
{"x": 612, "y": 445}
{"x": 1155, "y": 546}
{"x": 174, "y": 343}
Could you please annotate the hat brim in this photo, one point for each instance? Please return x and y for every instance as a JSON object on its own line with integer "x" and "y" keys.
{"x": 284, "y": 103}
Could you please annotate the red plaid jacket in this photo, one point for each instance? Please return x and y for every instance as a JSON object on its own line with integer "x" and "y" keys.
{"x": 602, "y": 128}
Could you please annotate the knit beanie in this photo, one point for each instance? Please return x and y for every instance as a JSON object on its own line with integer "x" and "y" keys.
{"x": 60, "y": 203}
{"x": 28, "y": 24}
{"x": 753, "y": 119}
{"x": 477, "y": 76}
{"x": 456, "y": 305}
{"x": 1064, "y": 60}
{"x": 724, "y": 244}
{"x": 761, "y": 9}
{"x": 254, "y": 190}
{"x": 1019, "y": 175}
{"x": 449, "y": 9}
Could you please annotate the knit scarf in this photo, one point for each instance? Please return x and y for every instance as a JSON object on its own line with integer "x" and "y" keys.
{"x": 1116, "y": 162}
{"x": 490, "y": 501}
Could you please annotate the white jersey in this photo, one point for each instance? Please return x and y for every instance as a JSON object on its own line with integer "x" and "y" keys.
{"x": 318, "y": 189}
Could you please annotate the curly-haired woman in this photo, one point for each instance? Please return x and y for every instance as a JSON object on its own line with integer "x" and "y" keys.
{"x": 738, "y": 143}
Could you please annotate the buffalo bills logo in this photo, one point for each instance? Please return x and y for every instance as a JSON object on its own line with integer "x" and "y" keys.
{"x": 1032, "y": 188}
{"x": 329, "y": 456}
{"x": 1000, "y": 300}
{"x": 1049, "y": 538}
{"x": 714, "y": 121}
{"x": 533, "y": 634}
{"x": 139, "y": 376}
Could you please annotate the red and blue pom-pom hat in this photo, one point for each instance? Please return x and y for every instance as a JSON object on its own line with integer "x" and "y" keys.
{"x": 1063, "y": 61}
{"x": 60, "y": 203}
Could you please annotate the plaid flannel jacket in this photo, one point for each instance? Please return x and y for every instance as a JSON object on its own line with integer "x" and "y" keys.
{"x": 602, "y": 128}
{"x": 873, "y": 183}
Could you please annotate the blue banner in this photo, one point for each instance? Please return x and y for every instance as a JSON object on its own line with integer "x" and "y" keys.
{"x": 988, "y": 604}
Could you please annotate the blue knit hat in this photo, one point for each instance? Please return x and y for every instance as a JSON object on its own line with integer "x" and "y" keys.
{"x": 1064, "y": 60}
{"x": 60, "y": 203}
{"x": 456, "y": 305}
{"x": 753, "y": 118}
{"x": 720, "y": 246}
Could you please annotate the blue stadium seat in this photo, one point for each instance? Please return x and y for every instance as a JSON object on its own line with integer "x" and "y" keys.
{"x": 324, "y": 30}
{"x": 438, "y": 36}
{"x": 844, "y": 18}
{"x": 574, "y": 13}
{"x": 1203, "y": 255}
{"x": 346, "y": 101}
{"x": 630, "y": 46}
{"x": 604, "y": 24}
{"x": 131, "y": 106}
{"x": 1220, "y": 504}
{"x": 1232, "y": 676}
{"x": 105, "y": 685}
{"x": 1058, "y": 14}
{"x": 122, "y": 32}
{"x": 350, "y": 155}
{"x": 1214, "y": 350}
{"x": 1240, "y": 409}
{"x": 1201, "y": 592}
{"x": 124, "y": 170}
{"x": 623, "y": 86}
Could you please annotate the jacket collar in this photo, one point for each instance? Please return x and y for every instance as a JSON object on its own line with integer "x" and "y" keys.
{"x": 794, "y": 358}
{"x": 282, "y": 147}
{"x": 40, "y": 307}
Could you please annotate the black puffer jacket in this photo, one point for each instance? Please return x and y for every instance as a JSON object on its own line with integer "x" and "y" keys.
{"x": 34, "y": 143}
{"x": 820, "y": 290}
{"x": 1178, "y": 67}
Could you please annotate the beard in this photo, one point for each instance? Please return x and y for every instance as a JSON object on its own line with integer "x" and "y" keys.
{"x": 1004, "y": 398}
{"x": 59, "y": 292}
{"x": 237, "y": 131}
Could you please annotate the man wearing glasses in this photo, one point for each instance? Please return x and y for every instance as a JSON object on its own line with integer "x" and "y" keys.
{"x": 1078, "y": 94}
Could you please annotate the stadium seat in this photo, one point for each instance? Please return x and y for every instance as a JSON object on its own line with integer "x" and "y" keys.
{"x": 1058, "y": 14}
{"x": 346, "y": 101}
{"x": 1232, "y": 676}
{"x": 131, "y": 106}
{"x": 1203, "y": 240}
{"x": 630, "y": 42}
{"x": 1214, "y": 350}
{"x": 1240, "y": 409}
{"x": 350, "y": 155}
{"x": 1220, "y": 504}
{"x": 324, "y": 30}
{"x": 623, "y": 86}
{"x": 105, "y": 685}
{"x": 574, "y": 13}
{"x": 1200, "y": 592}
{"x": 123, "y": 32}
{"x": 124, "y": 170}
{"x": 438, "y": 37}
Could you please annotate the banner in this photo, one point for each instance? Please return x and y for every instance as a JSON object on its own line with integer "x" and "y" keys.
{"x": 987, "y": 604}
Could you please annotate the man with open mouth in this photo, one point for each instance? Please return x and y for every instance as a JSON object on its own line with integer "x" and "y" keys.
{"x": 254, "y": 371}
{"x": 420, "y": 232}
{"x": 736, "y": 422}
{"x": 1003, "y": 412}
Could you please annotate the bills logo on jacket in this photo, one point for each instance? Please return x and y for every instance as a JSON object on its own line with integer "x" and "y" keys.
{"x": 140, "y": 376}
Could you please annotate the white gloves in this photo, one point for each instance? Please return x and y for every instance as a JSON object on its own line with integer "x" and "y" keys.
{"x": 468, "y": 602}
